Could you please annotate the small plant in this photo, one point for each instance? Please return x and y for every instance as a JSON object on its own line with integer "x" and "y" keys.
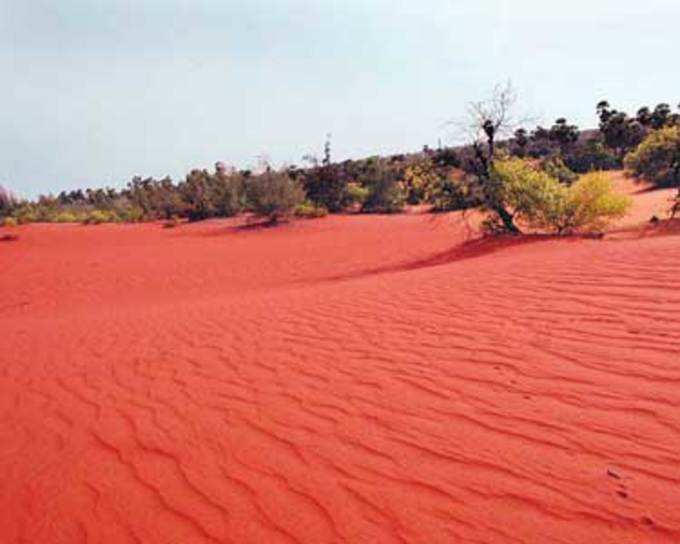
{"x": 9, "y": 222}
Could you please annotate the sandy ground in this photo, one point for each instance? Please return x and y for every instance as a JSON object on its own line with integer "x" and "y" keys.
{"x": 348, "y": 379}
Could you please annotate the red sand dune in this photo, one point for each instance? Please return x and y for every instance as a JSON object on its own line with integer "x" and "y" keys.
{"x": 348, "y": 379}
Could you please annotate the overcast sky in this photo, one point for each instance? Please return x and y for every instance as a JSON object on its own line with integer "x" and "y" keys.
{"x": 96, "y": 91}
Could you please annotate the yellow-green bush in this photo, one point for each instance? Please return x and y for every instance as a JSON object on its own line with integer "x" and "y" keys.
{"x": 532, "y": 194}
{"x": 96, "y": 217}
{"x": 9, "y": 222}
{"x": 542, "y": 202}
{"x": 65, "y": 217}
{"x": 592, "y": 204}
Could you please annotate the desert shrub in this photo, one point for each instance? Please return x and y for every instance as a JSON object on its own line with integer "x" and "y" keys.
{"x": 309, "y": 210}
{"x": 97, "y": 217}
{"x": 325, "y": 182}
{"x": 326, "y": 186}
{"x": 65, "y": 217}
{"x": 157, "y": 199}
{"x": 591, "y": 204}
{"x": 274, "y": 195}
{"x": 554, "y": 166}
{"x": 228, "y": 193}
{"x": 386, "y": 194}
{"x": 129, "y": 213}
{"x": 657, "y": 158}
{"x": 9, "y": 222}
{"x": 531, "y": 193}
{"x": 204, "y": 194}
{"x": 542, "y": 202}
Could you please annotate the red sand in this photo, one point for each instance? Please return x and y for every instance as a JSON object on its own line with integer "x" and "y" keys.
{"x": 349, "y": 379}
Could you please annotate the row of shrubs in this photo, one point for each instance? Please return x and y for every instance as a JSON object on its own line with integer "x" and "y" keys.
{"x": 536, "y": 174}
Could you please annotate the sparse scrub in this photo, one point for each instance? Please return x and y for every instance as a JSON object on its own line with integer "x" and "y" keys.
{"x": 447, "y": 178}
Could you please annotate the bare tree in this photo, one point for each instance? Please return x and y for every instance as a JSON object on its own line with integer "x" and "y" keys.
{"x": 488, "y": 121}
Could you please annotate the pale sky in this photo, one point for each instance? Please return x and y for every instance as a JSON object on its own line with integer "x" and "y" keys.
{"x": 96, "y": 91}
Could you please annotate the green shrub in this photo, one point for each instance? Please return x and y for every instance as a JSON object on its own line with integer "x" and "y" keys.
{"x": 326, "y": 187}
{"x": 9, "y": 222}
{"x": 274, "y": 195}
{"x": 542, "y": 202}
{"x": 309, "y": 210}
{"x": 657, "y": 158}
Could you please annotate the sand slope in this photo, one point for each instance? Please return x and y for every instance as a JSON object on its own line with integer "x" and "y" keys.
{"x": 349, "y": 379}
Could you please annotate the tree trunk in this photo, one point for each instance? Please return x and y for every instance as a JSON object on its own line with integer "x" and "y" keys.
{"x": 485, "y": 173}
{"x": 508, "y": 223}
